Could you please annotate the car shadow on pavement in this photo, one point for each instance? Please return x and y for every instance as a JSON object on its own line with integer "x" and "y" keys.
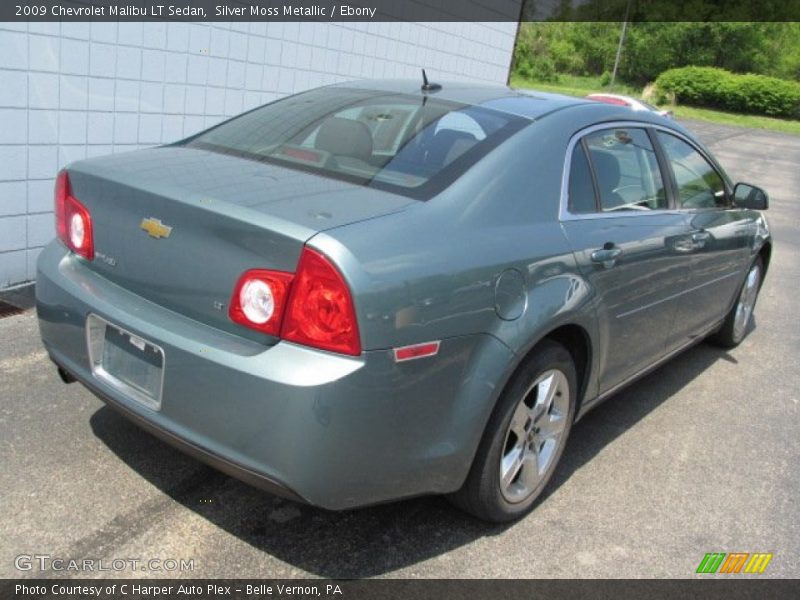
{"x": 380, "y": 539}
{"x": 626, "y": 408}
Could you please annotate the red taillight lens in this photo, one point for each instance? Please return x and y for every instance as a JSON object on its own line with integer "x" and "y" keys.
{"x": 320, "y": 310}
{"x": 259, "y": 300}
{"x": 73, "y": 221}
{"x": 312, "y": 307}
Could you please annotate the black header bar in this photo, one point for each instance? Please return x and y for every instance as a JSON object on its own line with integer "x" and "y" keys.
{"x": 399, "y": 10}
{"x": 261, "y": 10}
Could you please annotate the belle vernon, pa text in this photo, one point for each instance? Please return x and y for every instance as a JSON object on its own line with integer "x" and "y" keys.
{"x": 220, "y": 10}
{"x": 155, "y": 591}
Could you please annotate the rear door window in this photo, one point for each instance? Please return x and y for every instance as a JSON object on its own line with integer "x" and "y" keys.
{"x": 581, "y": 188}
{"x": 626, "y": 170}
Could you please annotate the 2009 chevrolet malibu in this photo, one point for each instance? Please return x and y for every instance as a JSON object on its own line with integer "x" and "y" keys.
{"x": 373, "y": 291}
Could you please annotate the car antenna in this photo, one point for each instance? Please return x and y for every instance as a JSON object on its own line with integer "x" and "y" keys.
{"x": 429, "y": 87}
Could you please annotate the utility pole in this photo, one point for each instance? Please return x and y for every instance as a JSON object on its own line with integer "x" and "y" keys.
{"x": 619, "y": 46}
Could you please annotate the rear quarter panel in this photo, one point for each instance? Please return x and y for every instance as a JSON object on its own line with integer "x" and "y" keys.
{"x": 436, "y": 270}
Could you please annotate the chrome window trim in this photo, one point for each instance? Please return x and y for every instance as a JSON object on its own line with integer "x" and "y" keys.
{"x": 563, "y": 211}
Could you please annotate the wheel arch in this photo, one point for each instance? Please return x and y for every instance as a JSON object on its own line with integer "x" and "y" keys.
{"x": 577, "y": 340}
{"x": 578, "y": 343}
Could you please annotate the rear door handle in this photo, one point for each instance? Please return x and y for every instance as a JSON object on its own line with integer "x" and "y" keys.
{"x": 607, "y": 255}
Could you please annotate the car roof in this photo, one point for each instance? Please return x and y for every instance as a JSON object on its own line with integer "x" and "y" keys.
{"x": 530, "y": 104}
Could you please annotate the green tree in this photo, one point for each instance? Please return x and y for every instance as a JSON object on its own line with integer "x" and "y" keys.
{"x": 655, "y": 47}
{"x": 546, "y": 49}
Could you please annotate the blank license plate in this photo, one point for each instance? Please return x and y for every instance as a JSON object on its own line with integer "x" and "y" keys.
{"x": 127, "y": 362}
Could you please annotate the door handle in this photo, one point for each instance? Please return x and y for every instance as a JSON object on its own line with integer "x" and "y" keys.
{"x": 699, "y": 238}
{"x": 607, "y": 255}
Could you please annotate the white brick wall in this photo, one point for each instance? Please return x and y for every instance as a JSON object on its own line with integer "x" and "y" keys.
{"x": 73, "y": 90}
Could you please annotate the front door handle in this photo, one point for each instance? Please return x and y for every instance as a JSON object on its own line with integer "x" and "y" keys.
{"x": 607, "y": 255}
{"x": 699, "y": 238}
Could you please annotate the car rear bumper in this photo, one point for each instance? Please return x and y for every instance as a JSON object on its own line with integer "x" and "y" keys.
{"x": 220, "y": 463}
{"x": 330, "y": 430}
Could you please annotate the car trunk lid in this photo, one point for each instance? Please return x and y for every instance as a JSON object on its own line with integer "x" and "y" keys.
{"x": 178, "y": 226}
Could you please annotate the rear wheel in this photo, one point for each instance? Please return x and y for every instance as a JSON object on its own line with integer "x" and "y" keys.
{"x": 737, "y": 323}
{"x": 524, "y": 439}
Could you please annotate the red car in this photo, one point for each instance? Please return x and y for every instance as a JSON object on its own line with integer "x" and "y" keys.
{"x": 630, "y": 103}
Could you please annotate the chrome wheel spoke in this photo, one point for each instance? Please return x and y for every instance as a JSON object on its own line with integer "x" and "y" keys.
{"x": 520, "y": 422}
{"x": 531, "y": 472}
{"x": 546, "y": 450}
{"x": 545, "y": 391}
{"x": 551, "y": 427}
{"x": 511, "y": 464}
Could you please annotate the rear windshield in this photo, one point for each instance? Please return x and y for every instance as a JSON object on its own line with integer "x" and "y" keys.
{"x": 407, "y": 144}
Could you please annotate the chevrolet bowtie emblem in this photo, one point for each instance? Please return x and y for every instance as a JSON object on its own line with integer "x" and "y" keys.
{"x": 155, "y": 228}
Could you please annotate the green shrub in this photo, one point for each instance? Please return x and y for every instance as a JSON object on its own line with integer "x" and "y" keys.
{"x": 717, "y": 88}
{"x": 605, "y": 78}
{"x": 537, "y": 68}
{"x": 530, "y": 59}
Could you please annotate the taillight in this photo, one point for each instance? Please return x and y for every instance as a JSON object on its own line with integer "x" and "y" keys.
{"x": 259, "y": 300}
{"x": 313, "y": 307}
{"x": 320, "y": 312}
{"x": 73, "y": 221}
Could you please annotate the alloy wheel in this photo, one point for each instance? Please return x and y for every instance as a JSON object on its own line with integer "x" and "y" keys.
{"x": 746, "y": 302}
{"x": 534, "y": 435}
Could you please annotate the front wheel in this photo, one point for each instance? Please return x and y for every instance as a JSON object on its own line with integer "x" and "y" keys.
{"x": 737, "y": 323}
{"x": 524, "y": 439}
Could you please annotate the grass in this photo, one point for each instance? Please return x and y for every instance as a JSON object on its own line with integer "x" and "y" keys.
{"x": 573, "y": 85}
{"x": 580, "y": 86}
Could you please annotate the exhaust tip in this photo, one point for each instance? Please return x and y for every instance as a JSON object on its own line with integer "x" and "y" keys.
{"x": 65, "y": 376}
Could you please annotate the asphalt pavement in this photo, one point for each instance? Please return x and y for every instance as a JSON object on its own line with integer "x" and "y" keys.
{"x": 700, "y": 456}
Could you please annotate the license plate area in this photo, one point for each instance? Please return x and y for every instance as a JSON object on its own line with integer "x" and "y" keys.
{"x": 125, "y": 361}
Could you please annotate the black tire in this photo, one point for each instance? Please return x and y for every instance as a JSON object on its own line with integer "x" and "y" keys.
{"x": 481, "y": 495}
{"x": 729, "y": 335}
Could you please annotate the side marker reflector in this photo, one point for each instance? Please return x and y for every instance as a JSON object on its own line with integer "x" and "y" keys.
{"x": 416, "y": 351}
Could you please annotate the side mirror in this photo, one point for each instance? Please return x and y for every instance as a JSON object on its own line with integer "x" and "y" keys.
{"x": 750, "y": 196}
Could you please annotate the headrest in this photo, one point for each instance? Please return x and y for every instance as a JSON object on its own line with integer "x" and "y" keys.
{"x": 606, "y": 167}
{"x": 345, "y": 137}
{"x": 449, "y": 144}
